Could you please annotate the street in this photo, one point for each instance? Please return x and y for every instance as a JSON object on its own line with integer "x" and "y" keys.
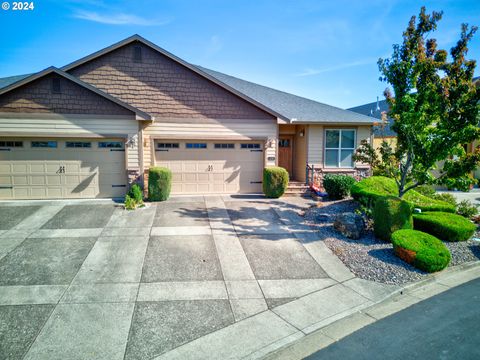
{"x": 446, "y": 326}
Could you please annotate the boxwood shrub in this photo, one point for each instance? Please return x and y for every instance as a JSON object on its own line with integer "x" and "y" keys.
{"x": 389, "y": 215}
{"x": 422, "y": 250}
{"x": 445, "y": 226}
{"x": 338, "y": 186}
{"x": 275, "y": 181}
{"x": 159, "y": 183}
{"x": 370, "y": 189}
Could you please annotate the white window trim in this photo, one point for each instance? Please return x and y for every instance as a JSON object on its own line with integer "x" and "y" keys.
{"x": 339, "y": 148}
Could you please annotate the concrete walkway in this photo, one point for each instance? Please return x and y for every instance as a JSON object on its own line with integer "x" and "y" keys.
{"x": 194, "y": 277}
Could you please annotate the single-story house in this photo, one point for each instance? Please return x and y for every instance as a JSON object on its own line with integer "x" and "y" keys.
{"x": 92, "y": 127}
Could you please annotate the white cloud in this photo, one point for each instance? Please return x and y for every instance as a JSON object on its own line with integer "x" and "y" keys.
{"x": 312, "y": 72}
{"x": 117, "y": 19}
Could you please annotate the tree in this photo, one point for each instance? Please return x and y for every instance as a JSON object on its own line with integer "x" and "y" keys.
{"x": 434, "y": 107}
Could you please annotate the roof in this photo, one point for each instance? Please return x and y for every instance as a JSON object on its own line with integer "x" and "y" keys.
{"x": 288, "y": 107}
{"x": 296, "y": 108}
{"x": 29, "y": 78}
{"x": 375, "y": 109}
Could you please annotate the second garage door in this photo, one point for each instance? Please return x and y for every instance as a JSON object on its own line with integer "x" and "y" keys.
{"x": 62, "y": 168}
{"x": 202, "y": 167}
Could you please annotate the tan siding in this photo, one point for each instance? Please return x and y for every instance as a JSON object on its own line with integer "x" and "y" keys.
{"x": 300, "y": 153}
{"x": 316, "y": 138}
{"x": 37, "y": 97}
{"x": 76, "y": 127}
{"x": 315, "y": 145}
{"x": 162, "y": 87}
{"x": 218, "y": 129}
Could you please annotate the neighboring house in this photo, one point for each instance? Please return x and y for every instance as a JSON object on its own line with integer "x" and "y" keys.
{"x": 382, "y": 129}
{"x": 96, "y": 125}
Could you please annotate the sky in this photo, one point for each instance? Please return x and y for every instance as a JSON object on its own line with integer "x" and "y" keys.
{"x": 322, "y": 50}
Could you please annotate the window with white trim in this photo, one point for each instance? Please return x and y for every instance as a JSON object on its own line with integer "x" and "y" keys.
{"x": 44, "y": 144}
{"x": 224, "y": 146}
{"x": 110, "y": 145}
{"x": 167, "y": 145}
{"x": 78, "y": 144}
{"x": 11, "y": 144}
{"x": 249, "y": 146}
{"x": 339, "y": 148}
{"x": 196, "y": 145}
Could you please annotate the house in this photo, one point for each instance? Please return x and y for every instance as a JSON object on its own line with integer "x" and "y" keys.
{"x": 93, "y": 127}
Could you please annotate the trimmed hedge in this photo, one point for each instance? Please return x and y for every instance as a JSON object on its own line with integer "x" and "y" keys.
{"x": 136, "y": 193}
{"x": 389, "y": 215}
{"x": 338, "y": 186}
{"x": 159, "y": 183}
{"x": 422, "y": 250}
{"x": 371, "y": 189}
{"x": 275, "y": 181}
{"x": 446, "y": 226}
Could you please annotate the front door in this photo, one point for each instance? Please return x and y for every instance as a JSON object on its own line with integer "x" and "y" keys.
{"x": 285, "y": 153}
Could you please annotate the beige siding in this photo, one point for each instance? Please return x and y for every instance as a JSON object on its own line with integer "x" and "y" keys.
{"x": 209, "y": 129}
{"x": 299, "y": 153}
{"x": 316, "y": 137}
{"x": 74, "y": 127}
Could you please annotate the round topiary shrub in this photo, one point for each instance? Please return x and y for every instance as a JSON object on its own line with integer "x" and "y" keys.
{"x": 445, "y": 226}
{"x": 389, "y": 215}
{"x": 338, "y": 186}
{"x": 421, "y": 250}
{"x": 275, "y": 181}
{"x": 159, "y": 183}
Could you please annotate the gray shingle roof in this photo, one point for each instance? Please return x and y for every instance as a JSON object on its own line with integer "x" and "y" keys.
{"x": 289, "y": 105}
{"x": 375, "y": 110}
{"x": 4, "y": 82}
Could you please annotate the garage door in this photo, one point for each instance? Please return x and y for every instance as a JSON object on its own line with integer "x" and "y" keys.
{"x": 201, "y": 167}
{"x": 66, "y": 168}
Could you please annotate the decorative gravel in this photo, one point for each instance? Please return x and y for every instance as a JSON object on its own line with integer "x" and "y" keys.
{"x": 370, "y": 258}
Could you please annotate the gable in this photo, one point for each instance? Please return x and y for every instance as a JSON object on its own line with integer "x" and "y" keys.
{"x": 162, "y": 87}
{"x": 37, "y": 97}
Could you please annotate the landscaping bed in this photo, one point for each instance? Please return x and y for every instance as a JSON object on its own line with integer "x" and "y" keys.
{"x": 373, "y": 259}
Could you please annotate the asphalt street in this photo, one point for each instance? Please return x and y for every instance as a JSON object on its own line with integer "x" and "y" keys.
{"x": 446, "y": 326}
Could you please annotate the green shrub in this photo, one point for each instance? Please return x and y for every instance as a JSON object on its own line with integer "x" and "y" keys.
{"x": 338, "y": 186}
{"x": 426, "y": 190}
{"x": 136, "y": 193}
{"x": 389, "y": 215}
{"x": 445, "y": 226}
{"x": 275, "y": 181}
{"x": 446, "y": 197}
{"x": 130, "y": 203}
{"x": 467, "y": 209}
{"x": 422, "y": 250}
{"x": 370, "y": 189}
{"x": 159, "y": 183}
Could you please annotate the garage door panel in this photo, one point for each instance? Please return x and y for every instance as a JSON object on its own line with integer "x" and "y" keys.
{"x": 213, "y": 170}
{"x": 41, "y": 173}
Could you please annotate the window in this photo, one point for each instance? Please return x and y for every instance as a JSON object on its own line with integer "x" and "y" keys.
{"x": 339, "y": 148}
{"x": 78, "y": 144}
{"x": 196, "y": 145}
{"x": 110, "y": 145}
{"x": 44, "y": 144}
{"x": 167, "y": 145}
{"x": 11, "y": 143}
{"x": 56, "y": 89}
{"x": 249, "y": 146}
{"x": 224, "y": 146}
{"x": 137, "y": 54}
{"x": 284, "y": 143}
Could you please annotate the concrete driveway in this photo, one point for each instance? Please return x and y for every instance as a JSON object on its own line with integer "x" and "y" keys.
{"x": 89, "y": 280}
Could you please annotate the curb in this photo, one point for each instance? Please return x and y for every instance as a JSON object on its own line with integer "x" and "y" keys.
{"x": 398, "y": 300}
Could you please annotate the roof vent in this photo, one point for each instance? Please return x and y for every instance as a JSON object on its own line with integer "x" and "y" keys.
{"x": 56, "y": 89}
{"x": 137, "y": 54}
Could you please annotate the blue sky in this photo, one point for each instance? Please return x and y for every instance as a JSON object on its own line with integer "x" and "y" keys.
{"x": 323, "y": 50}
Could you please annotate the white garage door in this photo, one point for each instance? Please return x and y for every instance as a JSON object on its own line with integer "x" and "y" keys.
{"x": 202, "y": 167}
{"x": 62, "y": 168}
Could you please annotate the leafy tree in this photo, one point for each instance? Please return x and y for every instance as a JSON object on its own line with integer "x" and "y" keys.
{"x": 434, "y": 107}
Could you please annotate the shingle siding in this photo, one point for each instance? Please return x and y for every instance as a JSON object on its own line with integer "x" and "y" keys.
{"x": 37, "y": 97}
{"x": 162, "y": 87}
